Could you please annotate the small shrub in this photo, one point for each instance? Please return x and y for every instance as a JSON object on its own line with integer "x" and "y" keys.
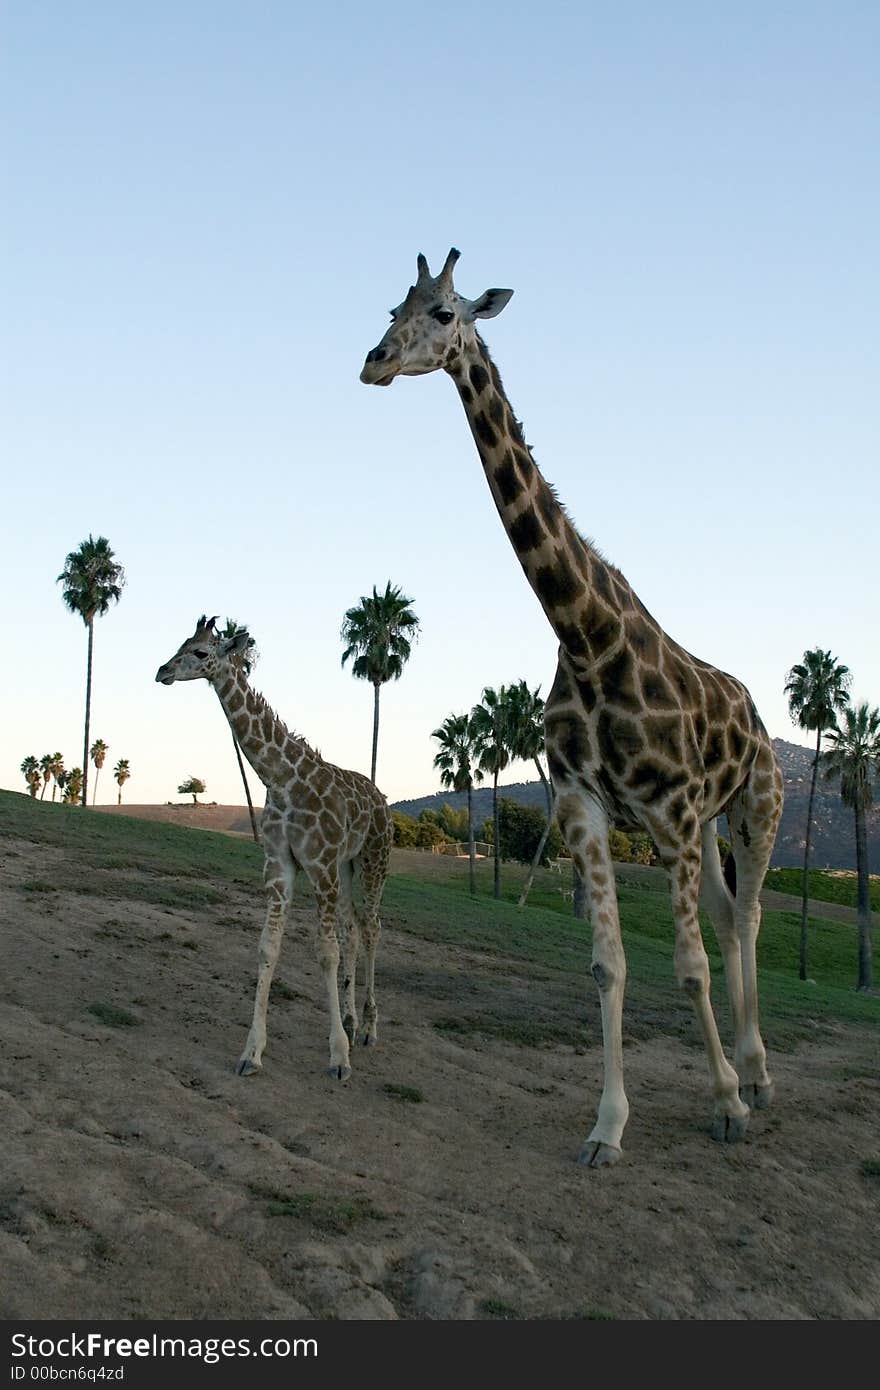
{"x": 113, "y": 1017}
{"x": 410, "y": 1093}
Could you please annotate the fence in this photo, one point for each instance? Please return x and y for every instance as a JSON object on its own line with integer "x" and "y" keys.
{"x": 461, "y": 849}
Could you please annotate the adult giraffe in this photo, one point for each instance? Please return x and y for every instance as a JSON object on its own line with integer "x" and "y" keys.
{"x": 639, "y": 732}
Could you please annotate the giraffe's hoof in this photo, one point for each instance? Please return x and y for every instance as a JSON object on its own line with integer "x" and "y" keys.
{"x": 247, "y": 1067}
{"x": 757, "y": 1097}
{"x": 596, "y": 1155}
{"x": 730, "y": 1129}
{"x": 368, "y": 1040}
{"x": 339, "y": 1073}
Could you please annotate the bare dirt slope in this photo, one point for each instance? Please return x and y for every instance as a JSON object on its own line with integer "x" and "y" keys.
{"x": 142, "y": 1178}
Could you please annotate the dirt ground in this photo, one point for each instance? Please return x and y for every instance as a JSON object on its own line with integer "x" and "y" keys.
{"x": 142, "y": 1179}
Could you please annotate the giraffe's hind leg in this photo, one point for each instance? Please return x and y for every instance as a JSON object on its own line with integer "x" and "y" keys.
{"x": 349, "y": 923}
{"x": 374, "y": 870}
{"x": 717, "y": 899}
{"x": 753, "y": 817}
{"x": 692, "y": 972}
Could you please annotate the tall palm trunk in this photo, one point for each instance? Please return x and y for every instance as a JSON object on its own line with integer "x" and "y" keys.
{"x": 119, "y": 797}
{"x": 376, "y": 688}
{"x": 496, "y": 892}
{"x": 472, "y": 854}
{"x": 95, "y": 790}
{"x": 863, "y": 901}
{"x": 85, "y": 789}
{"x": 543, "y": 840}
{"x": 247, "y": 790}
{"x": 802, "y": 971}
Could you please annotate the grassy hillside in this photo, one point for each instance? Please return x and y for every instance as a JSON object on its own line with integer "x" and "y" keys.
{"x": 127, "y": 858}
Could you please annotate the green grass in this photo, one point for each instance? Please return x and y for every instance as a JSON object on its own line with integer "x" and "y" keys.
{"x": 542, "y": 946}
{"x": 334, "y": 1215}
{"x": 126, "y": 843}
{"x": 408, "y": 1093}
{"x": 823, "y": 886}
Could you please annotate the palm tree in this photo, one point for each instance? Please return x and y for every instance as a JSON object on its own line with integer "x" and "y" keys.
{"x": 246, "y": 659}
{"x": 92, "y": 580}
{"x": 97, "y": 753}
{"x": 60, "y": 782}
{"x": 455, "y": 764}
{"x": 31, "y": 769}
{"x": 854, "y": 757}
{"x": 379, "y": 634}
{"x": 121, "y": 772}
{"x": 527, "y": 742}
{"x": 73, "y": 786}
{"x": 490, "y": 731}
{"x": 56, "y": 767}
{"x": 46, "y": 771}
{"x": 817, "y": 691}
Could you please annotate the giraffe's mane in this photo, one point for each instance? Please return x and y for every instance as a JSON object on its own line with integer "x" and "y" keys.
{"x": 289, "y": 733}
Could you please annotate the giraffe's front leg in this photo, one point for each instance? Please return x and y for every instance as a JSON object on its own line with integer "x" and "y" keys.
{"x": 278, "y": 874}
{"x": 326, "y": 888}
{"x": 584, "y": 825}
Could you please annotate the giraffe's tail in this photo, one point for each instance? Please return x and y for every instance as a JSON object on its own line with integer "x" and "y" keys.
{"x": 729, "y": 869}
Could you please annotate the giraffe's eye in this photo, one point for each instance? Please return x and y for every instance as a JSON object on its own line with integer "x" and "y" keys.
{"x": 443, "y": 315}
{"x": 201, "y": 655}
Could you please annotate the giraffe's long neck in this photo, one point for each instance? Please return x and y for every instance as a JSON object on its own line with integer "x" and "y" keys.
{"x": 264, "y": 738}
{"x": 580, "y": 593}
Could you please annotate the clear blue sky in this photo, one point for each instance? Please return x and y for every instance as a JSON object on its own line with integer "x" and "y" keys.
{"x": 210, "y": 208}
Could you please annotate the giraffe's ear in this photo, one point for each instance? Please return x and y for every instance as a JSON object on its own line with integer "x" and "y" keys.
{"x": 241, "y": 642}
{"x": 489, "y": 304}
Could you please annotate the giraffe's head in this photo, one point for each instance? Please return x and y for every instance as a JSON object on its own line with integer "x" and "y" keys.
{"x": 207, "y": 655}
{"x": 431, "y": 327}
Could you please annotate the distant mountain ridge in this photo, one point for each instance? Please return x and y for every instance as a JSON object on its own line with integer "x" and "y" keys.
{"x": 833, "y": 840}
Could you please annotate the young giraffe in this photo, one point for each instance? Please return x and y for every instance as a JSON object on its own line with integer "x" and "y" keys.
{"x": 639, "y": 732}
{"x": 318, "y": 817}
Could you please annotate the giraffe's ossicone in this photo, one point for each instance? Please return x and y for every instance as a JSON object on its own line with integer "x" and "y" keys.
{"x": 639, "y": 733}
{"x": 333, "y": 824}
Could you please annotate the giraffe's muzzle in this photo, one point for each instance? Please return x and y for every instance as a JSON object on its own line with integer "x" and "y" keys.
{"x": 379, "y": 368}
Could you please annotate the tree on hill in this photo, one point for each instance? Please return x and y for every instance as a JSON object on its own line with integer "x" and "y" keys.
{"x": 853, "y": 755}
{"x": 32, "y": 775}
{"x": 525, "y": 835}
{"x": 405, "y": 830}
{"x": 817, "y": 690}
{"x": 45, "y": 772}
{"x": 56, "y": 767}
{"x": 194, "y": 787}
{"x": 378, "y": 635}
{"x": 97, "y": 753}
{"x": 490, "y": 730}
{"x": 92, "y": 580}
{"x": 73, "y": 787}
{"x": 121, "y": 772}
{"x": 527, "y": 742}
{"x": 455, "y": 762}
